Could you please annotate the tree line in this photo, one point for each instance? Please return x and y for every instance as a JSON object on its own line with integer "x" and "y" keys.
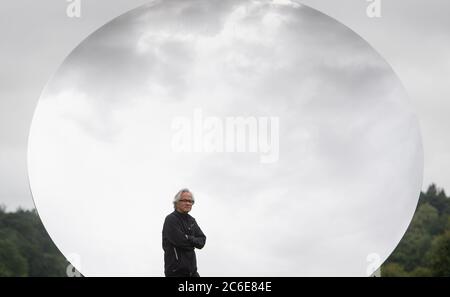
{"x": 425, "y": 248}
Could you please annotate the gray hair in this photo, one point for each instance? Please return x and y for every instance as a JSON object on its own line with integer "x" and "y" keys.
{"x": 178, "y": 196}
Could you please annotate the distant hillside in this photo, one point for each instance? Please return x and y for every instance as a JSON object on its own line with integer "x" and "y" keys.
{"x": 425, "y": 248}
{"x": 25, "y": 247}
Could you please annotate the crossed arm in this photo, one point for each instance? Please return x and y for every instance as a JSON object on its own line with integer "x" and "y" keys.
{"x": 172, "y": 231}
{"x": 198, "y": 239}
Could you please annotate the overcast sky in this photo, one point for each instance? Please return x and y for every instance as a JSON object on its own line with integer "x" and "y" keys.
{"x": 412, "y": 36}
{"x": 350, "y": 160}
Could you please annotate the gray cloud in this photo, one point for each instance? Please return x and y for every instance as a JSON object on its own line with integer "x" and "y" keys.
{"x": 413, "y": 37}
{"x": 409, "y": 49}
{"x": 31, "y": 50}
{"x": 342, "y": 111}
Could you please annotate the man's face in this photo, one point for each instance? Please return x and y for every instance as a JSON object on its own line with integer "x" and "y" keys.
{"x": 184, "y": 205}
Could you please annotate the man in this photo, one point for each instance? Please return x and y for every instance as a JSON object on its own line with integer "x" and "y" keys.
{"x": 180, "y": 236}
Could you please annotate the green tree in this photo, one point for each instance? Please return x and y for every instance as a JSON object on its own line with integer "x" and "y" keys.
{"x": 417, "y": 240}
{"x": 425, "y": 219}
{"x": 393, "y": 269}
{"x": 440, "y": 255}
{"x": 12, "y": 263}
{"x": 421, "y": 272}
{"x": 423, "y": 250}
{"x": 26, "y": 248}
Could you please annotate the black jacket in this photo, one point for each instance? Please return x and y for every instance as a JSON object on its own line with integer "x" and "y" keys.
{"x": 180, "y": 236}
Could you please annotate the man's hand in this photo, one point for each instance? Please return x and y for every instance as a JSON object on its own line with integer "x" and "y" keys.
{"x": 191, "y": 238}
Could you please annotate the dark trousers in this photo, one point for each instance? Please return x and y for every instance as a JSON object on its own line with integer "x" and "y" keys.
{"x": 195, "y": 274}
